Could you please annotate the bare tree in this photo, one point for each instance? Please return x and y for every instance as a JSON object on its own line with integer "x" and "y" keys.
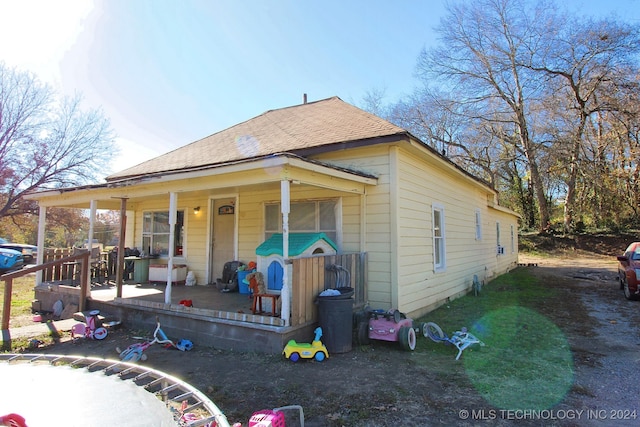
{"x": 45, "y": 143}
{"x": 483, "y": 46}
{"x": 583, "y": 58}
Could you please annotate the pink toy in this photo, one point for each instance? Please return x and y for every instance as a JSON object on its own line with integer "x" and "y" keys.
{"x": 387, "y": 326}
{"x": 89, "y": 330}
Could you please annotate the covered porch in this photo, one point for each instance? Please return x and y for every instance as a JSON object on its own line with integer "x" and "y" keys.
{"x": 200, "y": 219}
{"x": 207, "y": 316}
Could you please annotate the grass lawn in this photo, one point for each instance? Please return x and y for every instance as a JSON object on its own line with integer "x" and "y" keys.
{"x": 21, "y": 296}
{"x": 526, "y": 362}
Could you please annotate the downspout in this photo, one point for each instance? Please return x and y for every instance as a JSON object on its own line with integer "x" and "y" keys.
{"x": 42, "y": 220}
{"x": 173, "y": 202}
{"x": 285, "y": 204}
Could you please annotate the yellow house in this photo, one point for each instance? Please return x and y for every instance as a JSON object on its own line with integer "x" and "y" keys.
{"x": 427, "y": 227}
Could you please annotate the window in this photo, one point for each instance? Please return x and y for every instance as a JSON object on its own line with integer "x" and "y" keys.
{"x": 308, "y": 216}
{"x": 500, "y": 248}
{"x": 438, "y": 239}
{"x": 478, "y": 225}
{"x": 155, "y": 233}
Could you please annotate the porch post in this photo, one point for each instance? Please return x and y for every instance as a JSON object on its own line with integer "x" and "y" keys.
{"x": 173, "y": 202}
{"x": 285, "y": 203}
{"x": 42, "y": 220}
{"x": 120, "y": 264}
{"x": 92, "y": 220}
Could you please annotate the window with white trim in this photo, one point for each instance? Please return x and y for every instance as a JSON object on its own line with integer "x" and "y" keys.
{"x": 439, "y": 250}
{"x": 155, "y": 233}
{"x": 478, "y": 225}
{"x": 312, "y": 216}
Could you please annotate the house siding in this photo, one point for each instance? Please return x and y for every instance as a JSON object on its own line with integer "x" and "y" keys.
{"x": 401, "y": 271}
{"x": 424, "y": 184}
{"x": 377, "y": 217}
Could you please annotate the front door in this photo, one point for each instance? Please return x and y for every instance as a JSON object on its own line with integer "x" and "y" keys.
{"x": 222, "y": 239}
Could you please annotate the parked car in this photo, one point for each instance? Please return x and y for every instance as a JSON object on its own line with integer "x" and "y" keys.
{"x": 29, "y": 252}
{"x": 629, "y": 271}
{"x": 10, "y": 260}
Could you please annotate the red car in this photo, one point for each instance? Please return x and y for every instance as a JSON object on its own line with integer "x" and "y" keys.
{"x": 629, "y": 271}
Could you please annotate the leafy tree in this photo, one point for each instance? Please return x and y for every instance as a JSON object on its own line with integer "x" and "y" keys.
{"x": 45, "y": 142}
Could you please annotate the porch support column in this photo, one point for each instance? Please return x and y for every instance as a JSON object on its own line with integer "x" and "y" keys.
{"x": 173, "y": 206}
{"x": 285, "y": 203}
{"x": 92, "y": 220}
{"x": 42, "y": 220}
{"x": 123, "y": 232}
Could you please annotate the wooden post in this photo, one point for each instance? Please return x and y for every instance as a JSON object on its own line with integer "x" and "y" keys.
{"x": 6, "y": 314}
{"x": 84, "y": 282}
{"x": 120, "y": 265}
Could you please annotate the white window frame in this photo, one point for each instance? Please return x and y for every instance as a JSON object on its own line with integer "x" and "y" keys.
{"x": 317, "y": 227}
{"x": 439, "y": 238}
{"x": 478, "y": 218}
{"x": 179, "y": 234}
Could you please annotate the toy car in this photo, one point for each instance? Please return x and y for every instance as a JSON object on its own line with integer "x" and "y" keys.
{"x": 294, "y": 351}
{"x": 391, "y": 325}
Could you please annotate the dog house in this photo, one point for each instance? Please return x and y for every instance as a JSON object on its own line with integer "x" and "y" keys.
{"x": 269, "y": 254}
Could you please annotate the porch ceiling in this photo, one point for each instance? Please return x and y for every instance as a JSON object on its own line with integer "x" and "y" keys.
{"x": 229, "y": 177}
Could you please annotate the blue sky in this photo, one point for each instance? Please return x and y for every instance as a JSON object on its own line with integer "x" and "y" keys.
{"x": 167, "y": 73}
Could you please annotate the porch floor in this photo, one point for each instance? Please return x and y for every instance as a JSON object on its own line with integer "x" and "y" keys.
{"x": 202, "y": 296}
{"x": 219, "y": 319}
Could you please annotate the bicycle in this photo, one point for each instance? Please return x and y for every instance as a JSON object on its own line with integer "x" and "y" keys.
{"x": 461, "y": 339}
{"x": 135, "y": 352}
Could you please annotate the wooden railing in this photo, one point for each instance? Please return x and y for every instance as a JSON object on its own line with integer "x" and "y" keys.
{"x": 57, "y": 265}
{"x": 58, "y": 272}
{"x": 312, "y": 275}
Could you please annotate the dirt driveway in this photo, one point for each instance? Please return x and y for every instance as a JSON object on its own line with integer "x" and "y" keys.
{"x": 379, "y": 385}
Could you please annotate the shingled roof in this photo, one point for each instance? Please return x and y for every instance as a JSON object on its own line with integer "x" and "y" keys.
{"x": 286, "y": 130}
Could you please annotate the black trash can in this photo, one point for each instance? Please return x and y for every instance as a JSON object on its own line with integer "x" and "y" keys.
{"x": 335, "y": 315}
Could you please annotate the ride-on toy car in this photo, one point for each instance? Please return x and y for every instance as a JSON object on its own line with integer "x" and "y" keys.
{"x": 316, "y": 350}
{"x": 391, "y": 325}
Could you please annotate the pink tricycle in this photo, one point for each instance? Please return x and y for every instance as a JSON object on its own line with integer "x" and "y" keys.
{"x": 91, "y": 330}
{"x": 391, "y": 325}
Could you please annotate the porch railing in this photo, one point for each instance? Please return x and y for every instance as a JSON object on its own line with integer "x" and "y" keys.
{"x": 81, "y": 257}
{"x": 312, "y": 275}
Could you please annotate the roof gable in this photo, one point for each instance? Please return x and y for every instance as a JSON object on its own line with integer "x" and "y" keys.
{"x": 289, "y": 129}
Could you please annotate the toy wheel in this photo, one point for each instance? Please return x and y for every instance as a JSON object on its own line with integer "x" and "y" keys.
{"x": 421, "y": 328}
{"x": 362, "y": 333}
{"x": 395, "y": 314}
{"x": 100, "y": 333}
{"x": 294, "y": 357}
{"x": 319, "y": 356}
{"x": 143, "y": 356}
{"x": 407, "y": 338}
{"x": 132, "y": 356}
{"x": 434, "y": 332}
